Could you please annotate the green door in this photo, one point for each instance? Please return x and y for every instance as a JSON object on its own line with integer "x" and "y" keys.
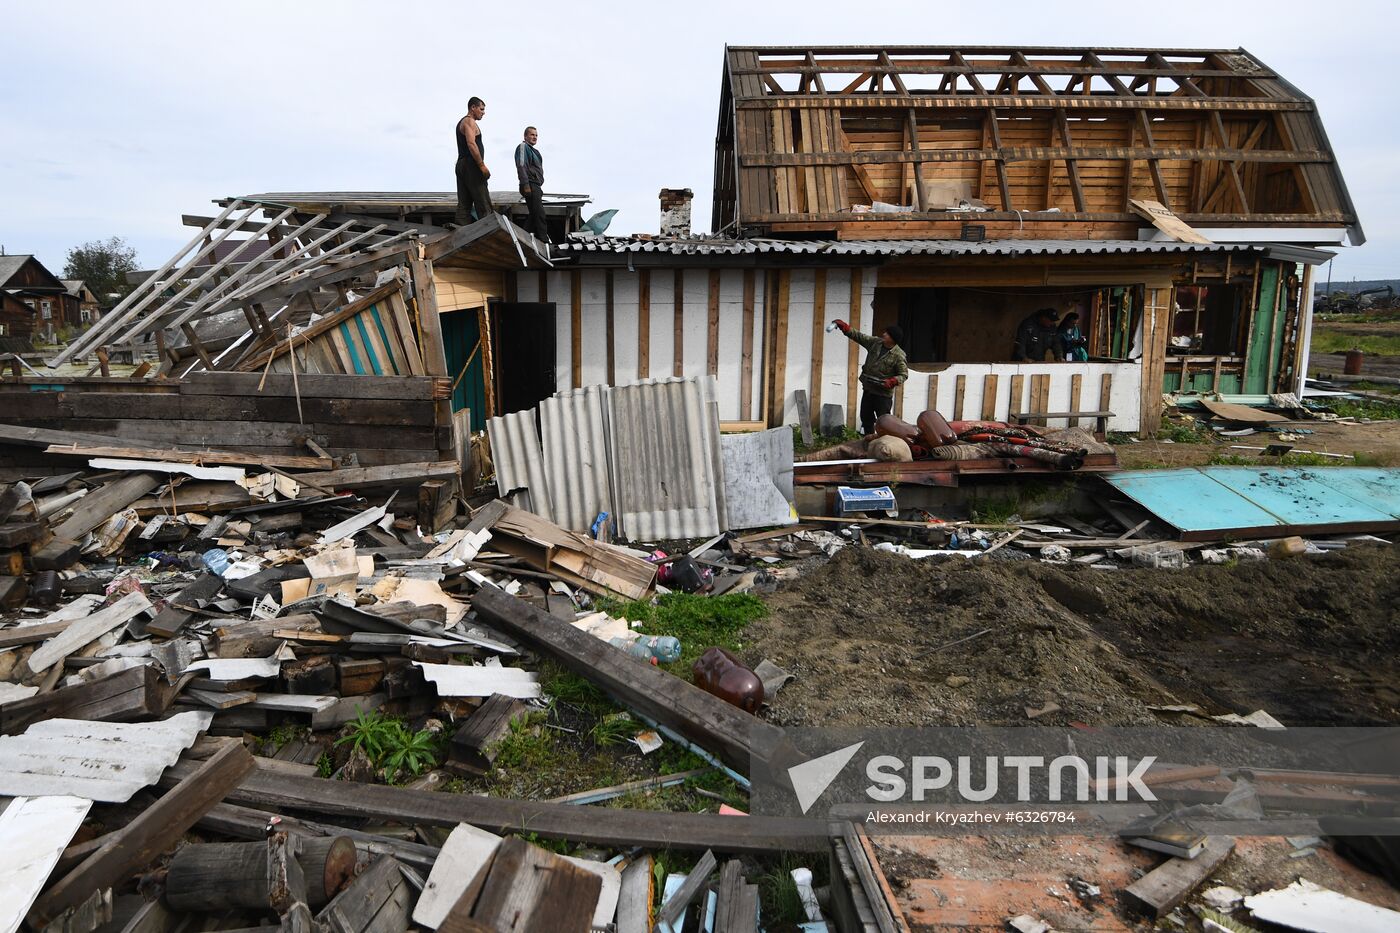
{"x": 461, "y": 333}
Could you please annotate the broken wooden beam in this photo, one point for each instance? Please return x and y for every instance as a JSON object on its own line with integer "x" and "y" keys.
{"x": 1162, "y": 889}
{"x": 399, "y": 474}
{"x": 600, "y": 825}
{"x": 528, "y": 888}
{"x": 473, "y": 748}
{"x": 378, "y": 900}
{"x": 139, "y": 842}
{"x": 738, "y": 738}
{"x": 88, "y": 513}
{"x": 134, "y": 693}
{"x": 675, "y": 906}
{"x": 200, "y": 457}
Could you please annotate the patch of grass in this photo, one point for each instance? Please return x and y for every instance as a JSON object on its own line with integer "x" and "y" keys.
{"x": 1292, "y": 459}
{"x": 279, "y": 736}
{"x": 1333, "y": 341}
{"x": 996, "y": 511}
{"x": 1372, "y": 409}
{"x": 1183, "y": 432}
{"x": 615, "y": 729}
{"x": 822, "y": 441}
{"x": 777, "y": 892}
{"x": 564, "y": 686}
{"x": 325, "y": 765}
{"x": 1119, "y": 437}
{"x": 700, "y": 622}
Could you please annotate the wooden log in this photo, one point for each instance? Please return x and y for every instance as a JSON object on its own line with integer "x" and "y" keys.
{"x": 601, "y": 825}
{"x": 225, "y": 876}
{"x": 157, "y": 828}
{"x": 359, "y": 677}
{"x": 529, "y": 888}
{"x": 738, "y": 738}
{"x": 315, "y": 675}
{"x": 473, "y": 748}
{"x": 1162, "y": 889}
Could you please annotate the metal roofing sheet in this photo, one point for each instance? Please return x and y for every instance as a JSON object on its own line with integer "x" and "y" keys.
{"x": 102, "y": 761}
{"x": 573, "y": 426}
{"x": 34, "y": 831}
{"x": 665, "y": 459}
{"x": 718, "y": 246}
{"x": 1211, "y": 501}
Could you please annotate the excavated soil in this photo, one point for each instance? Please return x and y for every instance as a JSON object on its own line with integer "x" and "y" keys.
{"x": 1311, "y": 640}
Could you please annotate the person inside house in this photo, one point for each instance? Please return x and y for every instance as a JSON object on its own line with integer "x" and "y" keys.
{"x": 473, "y": 197}
{"x": 529, "y": 166}
{"x": 1072, "y": 339}
{"x": 885, "y": 369}
{"x": 1037, "y": 336}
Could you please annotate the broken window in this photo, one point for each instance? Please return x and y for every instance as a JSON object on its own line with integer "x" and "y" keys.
{"x": 1207, "y": 320}
{"x": 46, "y": 309}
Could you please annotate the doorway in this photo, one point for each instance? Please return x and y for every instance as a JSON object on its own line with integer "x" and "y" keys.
{"x": 523, "y": 340}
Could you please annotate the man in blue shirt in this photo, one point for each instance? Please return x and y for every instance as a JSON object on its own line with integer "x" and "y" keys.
{"x": 529, "y": 166}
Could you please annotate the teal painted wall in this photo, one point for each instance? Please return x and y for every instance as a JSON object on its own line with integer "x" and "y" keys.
{"x": 1266, "y": 342}
{"x": 460, "y": 333}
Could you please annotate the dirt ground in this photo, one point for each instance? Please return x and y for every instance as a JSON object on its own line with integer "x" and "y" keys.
{"x": 1379, "y": 440}
{"x": 1312, "y": 640}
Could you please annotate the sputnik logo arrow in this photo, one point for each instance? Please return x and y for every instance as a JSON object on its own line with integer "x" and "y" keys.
{"x": 811, "y": 778}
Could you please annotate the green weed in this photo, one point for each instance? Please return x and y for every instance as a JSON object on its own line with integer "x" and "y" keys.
{"x": 1331, "y": 341}
{"x": 325, "y": 765}
{"x": 369, "y": 733}
{"x": 414, "y": 752}
{"x": 616, "y": 729}
{"x": 777, "y": 892}
{"x": 1290, "y": 459}
{"x": 1372, "y": 409}
{"x": 700, "y": 622}
{"x": 564, "y": 686}
{"x": 1181, "y": 432}
{"x": 390, "y": 745}
{"x": 822, "y": 441}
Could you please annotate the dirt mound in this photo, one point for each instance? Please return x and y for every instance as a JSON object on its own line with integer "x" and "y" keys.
{"x": 1313, "y": 641}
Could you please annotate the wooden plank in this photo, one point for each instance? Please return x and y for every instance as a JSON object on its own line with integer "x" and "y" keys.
{"x": 959, "y": 392}
{"x": 1105, "y": 390}
{"x": 528, "y": 888}
{"x": 1017, "y": 402}
{"x": 712, "y": 328}
{"x": 610, "y": 326}
{"x": 127, "y": 695}
{"x": 678, "y": 340}
{"x": 378, "y": 901}
{"x": 746, "y": 368}
{"x": 644, "y": 324}
{"x": 1076, "y": 387}
{"x": 1168, "y": 222}
{"x": 391, "y": 475}
{"x": 202, "y": 457}
{"x": 736, "y": 737}
{"x": 852, "y": 352}
{"x": 819, "y": 336}
{"x": 88, "y": 630}
{"x": 989, "y": 397}
{"x": 698, "y": 877}
{"x": 634, "y": 901}
{"x": 1167, "y": 885}
{"x": 804, "y": 415}
{"x": 576, "y": 326}
{"x": 157, "y": 828}
{"x": 473, "y": 747}
{"x": 778, "y": 400}
{"x": 1040, "y": 394}
{"x": 932, "y": 393}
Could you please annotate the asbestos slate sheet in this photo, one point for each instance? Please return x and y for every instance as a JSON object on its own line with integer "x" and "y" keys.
{"x": 1209, "y": 502}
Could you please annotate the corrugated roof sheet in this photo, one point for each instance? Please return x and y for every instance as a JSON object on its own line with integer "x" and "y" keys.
{"x": 34, "y": 831}
{"x": 665, "y": 459}
{"x": 103, "y": 761}
{"x": 575, "y": 446}
{"x": 875, "y": 248}
{"x": 519, "y": 462}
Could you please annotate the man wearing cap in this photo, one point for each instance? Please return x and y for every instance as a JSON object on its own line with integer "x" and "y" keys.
{"x": 1038, "y": 335}
{"x": 885, "y": 368}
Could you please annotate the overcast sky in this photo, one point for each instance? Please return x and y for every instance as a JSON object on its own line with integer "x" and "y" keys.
{"x": 116, "y": 118}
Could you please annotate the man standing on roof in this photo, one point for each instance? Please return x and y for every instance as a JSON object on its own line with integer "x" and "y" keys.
{"x": 1037, "y": 335}
{"x": 473, "y": 198}
{"x": 529, "y": 165}
{"x": 885, "y": 368}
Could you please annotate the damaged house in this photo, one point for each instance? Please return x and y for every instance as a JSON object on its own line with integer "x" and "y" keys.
{"x": 1177, "y": 199}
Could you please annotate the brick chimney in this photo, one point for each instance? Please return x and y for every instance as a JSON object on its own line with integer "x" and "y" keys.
{"x": 675, "y": 211}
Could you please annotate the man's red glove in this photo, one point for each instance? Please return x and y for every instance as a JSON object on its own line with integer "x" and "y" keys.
{"x": 891, "y": 382}
{"x": 842, "y": 326}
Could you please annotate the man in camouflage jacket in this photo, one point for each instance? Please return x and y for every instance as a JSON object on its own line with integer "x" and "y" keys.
{"x": 885, "y": 368}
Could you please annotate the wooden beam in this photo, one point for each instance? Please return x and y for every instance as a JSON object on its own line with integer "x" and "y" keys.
{"x": 746, "y": 367}
{"x": 853, "y": 351}
{"x": 644, "y": 324}
{"x": 736, "y": 737}
{"x": 818, "y": 343}
{"x": 576, "y": 326}
{"x": 1166, "y": 886}
{"x": 157, "y": 828}
{"x": 678, "y": 342}
{"x": 1071, "y": 166}
{"x": 610, "y": 329}
{"x": 712, "y": 325}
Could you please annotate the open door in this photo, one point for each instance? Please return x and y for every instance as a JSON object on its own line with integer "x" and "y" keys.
{"x": 523, "y": 337}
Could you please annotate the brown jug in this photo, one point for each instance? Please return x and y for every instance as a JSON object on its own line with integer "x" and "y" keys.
{"x": 717, "y": 671}
{"x": 890, "y": 426}
{"x": 934, "y": 429}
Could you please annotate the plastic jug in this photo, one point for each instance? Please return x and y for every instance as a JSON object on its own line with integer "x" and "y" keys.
{"x": 719, "y": 672}
{"x": 658, "y": 649}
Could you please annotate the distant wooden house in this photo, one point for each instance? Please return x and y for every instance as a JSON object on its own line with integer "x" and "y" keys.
{"x": 52, "y": 307}
{"x": 89, "y": 307}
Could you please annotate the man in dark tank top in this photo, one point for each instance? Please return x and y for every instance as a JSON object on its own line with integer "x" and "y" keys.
{"x": 473, "y": 197}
